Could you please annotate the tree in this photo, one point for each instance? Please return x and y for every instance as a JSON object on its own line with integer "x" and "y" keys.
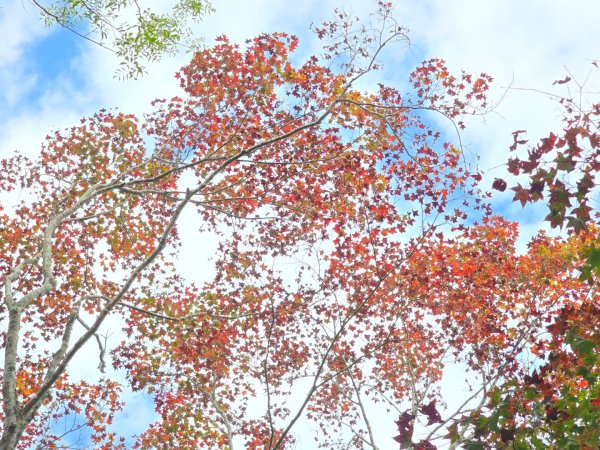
{"x": 513, "y": 300}
{"x": 556, "y": 404}
{"x": 348, "y": 272}
{"x": 561, "y": 169}
{"x": 147, "y": 38}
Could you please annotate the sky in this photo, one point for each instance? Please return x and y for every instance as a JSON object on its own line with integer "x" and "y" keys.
{"x": 49, "y": 78}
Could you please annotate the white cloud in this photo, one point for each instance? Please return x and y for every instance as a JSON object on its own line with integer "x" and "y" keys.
{"x": 20, "y": 25}
{"x": 521, "y": 44}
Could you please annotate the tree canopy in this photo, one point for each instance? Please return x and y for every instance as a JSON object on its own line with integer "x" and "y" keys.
{"x": 357, "y": 259}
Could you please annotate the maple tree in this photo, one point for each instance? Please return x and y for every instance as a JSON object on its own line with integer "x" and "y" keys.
{"x": 557, "y": 404}
{"x": 348, "y": 273}
{"x": 516, "y": 300}
{"x": 561, "y": 169}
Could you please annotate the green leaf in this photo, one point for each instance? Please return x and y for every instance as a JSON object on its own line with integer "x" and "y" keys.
{"x": 524, "y": 446}
{"x": 583, "y": 346}
{"x": 565, "y": 163}
{"x": 474, "y": 445}
{"x": 531, "y": 393}
{"x": 592, "y": 263}
{"x": 145, "y": 38}
{"x": 493, "y": 421}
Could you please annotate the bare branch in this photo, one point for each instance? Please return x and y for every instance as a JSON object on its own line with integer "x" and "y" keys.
{"x": 101, "y": 346}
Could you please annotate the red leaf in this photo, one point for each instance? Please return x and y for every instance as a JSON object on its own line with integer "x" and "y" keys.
{"x": 433, "y": 416}
{"x": 563, "y": 81}
{"x": 405, "y": 428}
{"x": 499, "y": 184}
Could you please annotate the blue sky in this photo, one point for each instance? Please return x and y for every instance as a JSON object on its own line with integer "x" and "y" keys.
{"x": 49, "y": 78}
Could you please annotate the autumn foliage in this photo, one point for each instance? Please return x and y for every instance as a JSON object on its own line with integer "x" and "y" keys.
{"x": 557, "y": 403}
{"x": 356, "y": 258}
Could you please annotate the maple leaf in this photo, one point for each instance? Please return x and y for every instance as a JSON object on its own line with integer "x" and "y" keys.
{"x": 563, "y": 81}
{"x": 499, "y": 184}
{"x": 521, "y": 194}
{"x": 424, "y": 445}
{"x": 405, "y": 424}
{"x": 429, "y": 410}
{"x": 537, "y": 187}
{"x": 516, "y": 140}
{"x": 592, "y": 263}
